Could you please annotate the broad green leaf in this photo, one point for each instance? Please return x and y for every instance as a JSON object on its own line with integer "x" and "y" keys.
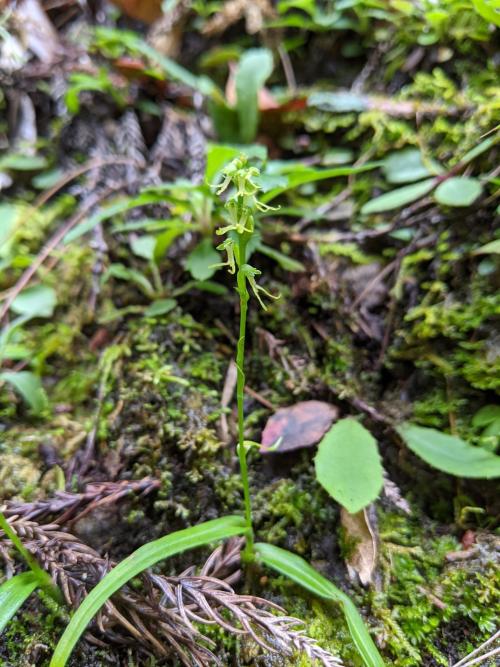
{"x": 144, "y": 246}
{"x": 28, "y": 385}
{"x": 486, "y": 415}
{"x": 398, "y": 198}
{"x": 348, "y": 465}
{"x": 13, "y": 593}
{"x": 200, "y": 261}
{"x": 407, "y": 166}
{"x": 302, "y": 175}
{"x": 489, "y": 10}
{"x": 458, "y": 191}
{"x": 450, "y": 453}
{"x": 160, "y": 307}
{"x": 254, "y": 69}
{"x": 298, "y": 570}
{"x": 286, "y": 263}
{"x": 137, "y": 562}
{"x": 37, "y": 301}
{"x": 491, "y": 248}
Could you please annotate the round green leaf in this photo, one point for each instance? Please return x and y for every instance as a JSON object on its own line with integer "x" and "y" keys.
{"x": 348, "y": 465}
{"x": 407, "y": 166}
{"x": 458, "y": 191}
{"x": 450, "y": 453}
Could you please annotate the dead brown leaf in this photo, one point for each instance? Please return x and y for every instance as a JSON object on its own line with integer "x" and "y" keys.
{"x": 362, "y": 558}
{"x": 300, "y": 425}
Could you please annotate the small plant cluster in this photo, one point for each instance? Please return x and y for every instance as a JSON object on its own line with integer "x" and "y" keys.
{"x": 175, "y": 599}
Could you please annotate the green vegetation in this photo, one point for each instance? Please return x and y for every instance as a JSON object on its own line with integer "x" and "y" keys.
{"x": 340, "y": 160}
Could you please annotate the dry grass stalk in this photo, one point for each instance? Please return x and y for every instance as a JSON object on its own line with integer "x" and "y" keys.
{"x": 163, "y": 615}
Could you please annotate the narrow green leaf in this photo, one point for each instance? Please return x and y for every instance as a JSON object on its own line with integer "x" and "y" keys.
{"x": 132, "y": 41}
{"x": 450, "y": 453}
{"x": 122, "y": 272}
{"x": 121, "y": 205}
{"x": 298, "y": 570}
{"x": 458, "y": 191}
{"x": 286, "y": 263}
{"x": 29, "y": 386}
{"x": 398, "y": 198}
{"x": 479, "y": 149}
{"x": 19, "y": 162}
{"x": 348, "y": 465}
{"x": 302, "y": 175}
{"x": 130, "y": 567}
{"x": 338, "y": 102}
{"x": 254, "y": 69}
{"x": 13, "y": 593}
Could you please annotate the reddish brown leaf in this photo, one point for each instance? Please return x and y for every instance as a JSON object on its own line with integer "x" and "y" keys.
{"x": 300, "y": 425}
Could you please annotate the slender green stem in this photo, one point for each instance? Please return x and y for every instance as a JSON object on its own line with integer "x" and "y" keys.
{"x": 240, "y": 387}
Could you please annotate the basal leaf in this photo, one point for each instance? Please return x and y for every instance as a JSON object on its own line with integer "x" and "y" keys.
{"x": 28, "y": 385}
{"x": 398, "y": 198}
{"x": 130, "y": 567}
{"x": 458, "y": 191}
{"x": 254, "y": 69}
{"x": 450, "y": 453}
{"x": 298, "y": 570}
{"x": 13, "y": 593}
{"x": 348, "y": 465}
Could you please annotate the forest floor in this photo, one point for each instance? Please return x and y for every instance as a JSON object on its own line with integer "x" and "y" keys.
{"x": 118, "y": 336}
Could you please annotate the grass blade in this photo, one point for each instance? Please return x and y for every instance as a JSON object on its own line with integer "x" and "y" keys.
{"x": 13, "y": 593}
{"x": 297, "y": 569}
{"x": 130, "y": 567}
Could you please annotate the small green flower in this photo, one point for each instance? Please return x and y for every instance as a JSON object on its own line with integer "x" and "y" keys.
{"x": 228, "y": 246}
{"x": 251, "y": 272}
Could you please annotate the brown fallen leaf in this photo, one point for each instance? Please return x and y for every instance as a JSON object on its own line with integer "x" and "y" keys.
{"x": 142, "y": 10}
{"x": 300, "y": 425}
{"x": 360, "y": 532}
